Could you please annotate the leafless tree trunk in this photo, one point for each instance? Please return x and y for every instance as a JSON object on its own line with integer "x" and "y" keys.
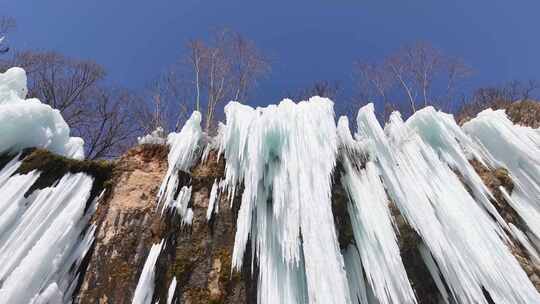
{"x": 7, "y": 24}
{"x": 414, "y": 69}
{"x": 216, "y": 71}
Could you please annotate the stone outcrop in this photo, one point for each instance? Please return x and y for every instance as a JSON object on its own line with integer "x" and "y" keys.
{"x": 198, "y": 256}
{"x": 127, "y": 225}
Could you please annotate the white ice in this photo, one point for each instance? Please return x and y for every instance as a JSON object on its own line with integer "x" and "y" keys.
{"x": 463, "y": 240}
{"x": 43, "y": 237}
{"x": 27, "y": 123}
{"x": 185, "y": 148}
{"x": 372, "y": 225}
{"x": 156, "y": 137}
{"x": 285, "y": 155}
{"x": 145, "y": 287}
{"x": 503, "y": 144}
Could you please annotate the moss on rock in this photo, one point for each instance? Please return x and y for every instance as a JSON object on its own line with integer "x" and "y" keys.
{"x": 53, "y": 167}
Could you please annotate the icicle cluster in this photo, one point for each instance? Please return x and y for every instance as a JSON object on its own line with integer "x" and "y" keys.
{"x": 185, "y": 148}
{"x": 503, "y": 144}
{"x": 466, "y": 244}
{"x": 42, "y": 237}
{"x": 285, "y": 155}
{"x": 45, "y": 234}
{"x": 372, "y": 226}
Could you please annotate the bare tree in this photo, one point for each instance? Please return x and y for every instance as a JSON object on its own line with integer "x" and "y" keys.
{"x": 247, "y": 65}
{"x": 417, "y": 71}
{"x": 223, "y": 68}
{"x": 7, "y": 24}
{"x": 498, "y": 97}
{"x": 108, "y": 128}
{"x": 321, "y": 88}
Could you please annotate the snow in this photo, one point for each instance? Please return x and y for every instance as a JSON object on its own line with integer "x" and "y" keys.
{"x": 185, "y": 148}
{"x": 27, "y": 123}
{"x": 49, "y": 225}
{"x": 157, "y": 137}
{"x": 145, "y": 287}
{"x": 264, "y": 149}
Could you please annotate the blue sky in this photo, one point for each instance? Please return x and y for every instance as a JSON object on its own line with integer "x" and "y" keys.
{"x": 305, "y": 40}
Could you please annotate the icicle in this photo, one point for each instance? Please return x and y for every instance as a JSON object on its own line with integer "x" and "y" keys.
{"x": 46, "y": 226}
{"x": 460, "y": 235}
{"x": 145, "y": 287}
{"x": 372, "y": 225}
{"x": 170, "y": 293}
{"x": 184, "y": 151}
{"x": 285, "y": 154}
{"x": 355, "y": 276}
{"x": 455, "y": 148}
{"x": 502, "y": 144}
{"x": 212, "y": 200}
{"x": 180, "y": 205}
{"x": 524, "y": 241}
{"x": 188, "y": 217}
{"x": 435, "y": 273}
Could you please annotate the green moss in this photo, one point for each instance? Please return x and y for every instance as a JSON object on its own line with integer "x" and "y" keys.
{"x": 53, "y": 167}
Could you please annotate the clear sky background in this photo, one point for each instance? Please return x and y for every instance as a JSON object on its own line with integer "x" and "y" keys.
{"x": 305, "y": 40}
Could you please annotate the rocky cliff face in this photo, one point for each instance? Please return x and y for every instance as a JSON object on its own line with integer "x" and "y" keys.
{"x": 127, "y": 225}
{"x": 198, "y": 257}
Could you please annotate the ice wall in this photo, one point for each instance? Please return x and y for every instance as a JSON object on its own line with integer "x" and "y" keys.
{"x": 283, "y": 158}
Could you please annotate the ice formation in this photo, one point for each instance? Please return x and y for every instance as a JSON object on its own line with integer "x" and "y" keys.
{"x": 157, "y": 137}
{"x": 285, "y": 156}
{"x": 48, "y": 225}
{"x": 45, "y": 233}
{"x": 372, "y": 224}
{"x": 500, "y": 143}
{"x": 28, "y": 123}
{"x": 145, "y": 287}
{"x": 212, "y": 201}
{"x": 170, "y": 292}
{"x": 457, "y": 231}
{"x": 185, "y": 148}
